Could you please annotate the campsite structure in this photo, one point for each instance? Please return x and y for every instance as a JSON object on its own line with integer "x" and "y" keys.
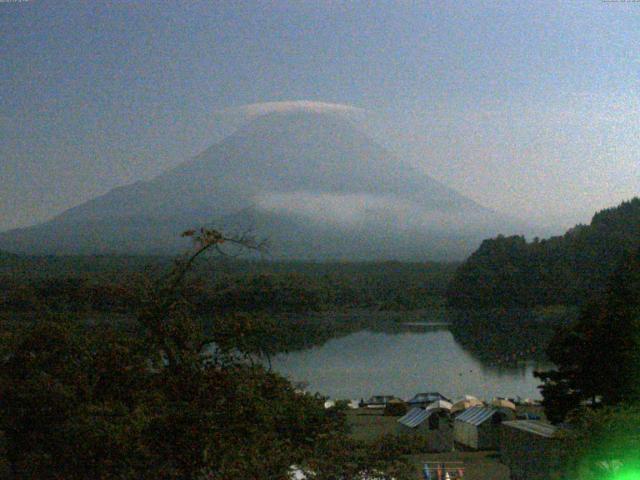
{"x": 477, "y": 428}
{"x": 465, "y": 403}
{"x": 378, "y": 401}
{"x": 433, "y": 426}
{"x": 503, "y": 403}
{"x": 424, "y": 399}
{"x": 529, "y": 448}
{"x": 441, "y": 406}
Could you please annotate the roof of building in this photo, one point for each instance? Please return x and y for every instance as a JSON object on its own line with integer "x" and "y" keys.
{"x": 476, "y": 415}
{"x": 503, "y": 403}
{"x": 439, "y": 404}
{"x": 381, "y": 398}
{"x": 427, "y": 397}
{"x": 534, "y": 427}
{"x": 469, "y": 397}
{"x": 464, "y": 404}
{"x": 415, "y": 417}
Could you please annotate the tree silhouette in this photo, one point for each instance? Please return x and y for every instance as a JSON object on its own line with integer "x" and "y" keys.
{"x": 159, "y": 398}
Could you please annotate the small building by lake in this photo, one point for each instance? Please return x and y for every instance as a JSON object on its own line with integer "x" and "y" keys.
{"x": 465, "y": 403}
{"x": 478, "y": 428}
{"x": 378, "y": 401}
{"x": 431, "y": 428}
{"x": 424, "y": 399}
{"x": 530, "y": 449}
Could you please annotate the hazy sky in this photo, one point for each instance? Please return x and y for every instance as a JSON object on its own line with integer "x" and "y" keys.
{"x": 531, "y": 108}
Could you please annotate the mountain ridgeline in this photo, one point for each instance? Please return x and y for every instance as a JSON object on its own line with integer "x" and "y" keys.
{"x": 312, "y": 183}
{"x": 511, "y": 272}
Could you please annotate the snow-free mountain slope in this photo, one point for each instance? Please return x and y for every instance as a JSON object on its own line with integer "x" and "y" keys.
{"x": 298, "y": 177}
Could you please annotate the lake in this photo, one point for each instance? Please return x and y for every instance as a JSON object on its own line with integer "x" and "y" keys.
{"x": 421, "y": 358}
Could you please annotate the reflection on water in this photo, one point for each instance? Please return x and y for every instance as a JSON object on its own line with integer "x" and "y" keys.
{"x": 421, "y": 358}
{"x": 507, "y": 336}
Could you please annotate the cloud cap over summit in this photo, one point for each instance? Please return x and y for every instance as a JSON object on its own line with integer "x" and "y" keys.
{"x": 291, "y": 106}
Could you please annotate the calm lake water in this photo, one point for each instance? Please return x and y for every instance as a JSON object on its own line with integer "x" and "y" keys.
{"x": 366, "y": 363}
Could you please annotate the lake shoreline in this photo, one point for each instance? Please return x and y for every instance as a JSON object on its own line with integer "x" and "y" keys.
{"x": 392, "y": 358}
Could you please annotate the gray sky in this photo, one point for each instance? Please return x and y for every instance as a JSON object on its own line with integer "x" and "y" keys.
{"x": 530, "y": 108}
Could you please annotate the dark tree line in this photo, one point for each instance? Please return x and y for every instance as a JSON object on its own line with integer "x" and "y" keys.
{"x": 511, "y": 272}
{"x": 285, "y": 287}
{"x": 598, "y": 356}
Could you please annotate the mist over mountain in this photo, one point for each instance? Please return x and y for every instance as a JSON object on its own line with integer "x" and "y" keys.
{"x": 311, "y": 182}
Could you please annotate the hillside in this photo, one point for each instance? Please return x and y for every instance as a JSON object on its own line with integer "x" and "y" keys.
{"x": 509, "y": 271}
{"x": 312, "y": 183}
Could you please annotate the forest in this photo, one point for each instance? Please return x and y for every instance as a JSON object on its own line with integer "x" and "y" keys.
{"x": 96, "y": 282}
{"x": 294, "y": 305}
{"x": 564, "y": 270}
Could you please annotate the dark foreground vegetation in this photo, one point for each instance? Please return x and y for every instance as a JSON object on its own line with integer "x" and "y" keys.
{"x": 598, "y": 356}
{"x": 594, "y": 391}
{"x": 150, "y": 398}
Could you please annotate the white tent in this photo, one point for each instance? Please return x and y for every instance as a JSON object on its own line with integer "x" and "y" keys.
{"x": 503, "y": 403}
{"x": 440, "y": 405}
{"x": 464, "y": 404}
{"x": 469, "y": 397}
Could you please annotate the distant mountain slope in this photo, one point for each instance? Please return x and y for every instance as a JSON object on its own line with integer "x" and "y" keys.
{"x": 508, "y": 271}
{"x": 312, "y": 183}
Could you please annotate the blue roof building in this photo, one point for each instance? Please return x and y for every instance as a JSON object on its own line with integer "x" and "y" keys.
{"x": 424, "y": 399}
{"x": 478, "y": 428}
{"x": 433, "y": 427}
